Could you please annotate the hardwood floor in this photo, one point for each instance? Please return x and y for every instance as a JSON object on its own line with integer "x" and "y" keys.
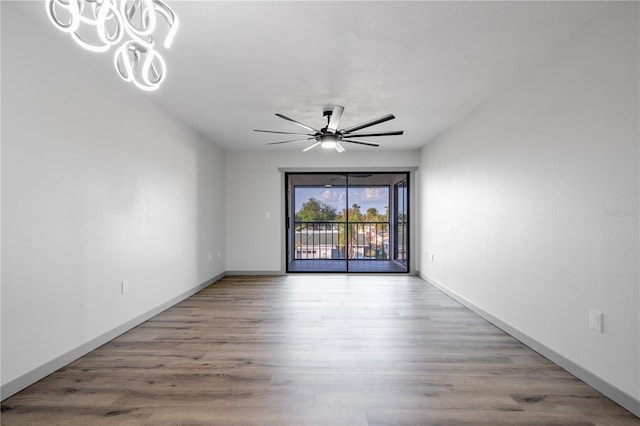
{"x": 314, "y": 350}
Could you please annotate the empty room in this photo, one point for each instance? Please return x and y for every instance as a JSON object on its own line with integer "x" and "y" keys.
{"x": 320, "y": 212}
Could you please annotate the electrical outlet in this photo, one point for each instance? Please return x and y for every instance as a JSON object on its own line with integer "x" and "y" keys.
{"x": 596, "y": 320}
{"x": 433, "y": 257}
{"x": 125, "y": 286}
{"x": 219, "y": 254}
{"x": 209, "y": 256}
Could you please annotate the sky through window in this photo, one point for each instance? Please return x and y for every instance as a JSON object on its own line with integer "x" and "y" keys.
{"x": 364, "y": 196}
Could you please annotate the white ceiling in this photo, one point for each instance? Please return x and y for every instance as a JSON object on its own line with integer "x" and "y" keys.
{"x": 234, "y": 64}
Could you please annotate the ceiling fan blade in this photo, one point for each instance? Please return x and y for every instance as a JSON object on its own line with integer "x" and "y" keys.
{"x": 368, "y": 123}
{"x": 364, "y": 135}
{"x": 282, "y": 133}
{"x": 312, "y": 146}
{"x": 360, "y": 142}
{"x": 293, "y": 140}
{"x": 339, "y": 147}
{"x": 336, "y": 115}
{"x": 298, "y": 123}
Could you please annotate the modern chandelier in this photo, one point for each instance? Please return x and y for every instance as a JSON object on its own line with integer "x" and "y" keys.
{"x": 131, "y": 26}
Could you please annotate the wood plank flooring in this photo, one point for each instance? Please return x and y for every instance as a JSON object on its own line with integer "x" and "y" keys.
{"x": 314, "y": 350}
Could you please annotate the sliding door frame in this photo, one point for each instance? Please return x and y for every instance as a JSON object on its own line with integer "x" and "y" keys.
{"x": 289, "y": 216}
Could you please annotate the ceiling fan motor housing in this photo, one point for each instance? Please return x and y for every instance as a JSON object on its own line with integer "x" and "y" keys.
{"x": 328, "y": 137}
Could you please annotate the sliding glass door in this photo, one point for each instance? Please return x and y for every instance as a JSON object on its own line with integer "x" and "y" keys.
{"x": 346, "y": 222}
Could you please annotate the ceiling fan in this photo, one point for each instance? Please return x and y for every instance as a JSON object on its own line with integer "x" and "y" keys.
{"x": 331, "y": 137}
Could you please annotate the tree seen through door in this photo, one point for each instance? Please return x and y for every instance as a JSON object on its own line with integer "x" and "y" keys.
{"x": 359, "y": 232}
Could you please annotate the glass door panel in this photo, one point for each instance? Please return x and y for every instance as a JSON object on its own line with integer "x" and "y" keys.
{"x": 401, "y": 222}
{"x": 316, "y": 225}
{"x": 368, "y": 224}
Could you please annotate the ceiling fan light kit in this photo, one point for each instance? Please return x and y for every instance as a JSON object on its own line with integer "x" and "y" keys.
{"x": 330, "y": 137}
{"x": 328, "y": 141}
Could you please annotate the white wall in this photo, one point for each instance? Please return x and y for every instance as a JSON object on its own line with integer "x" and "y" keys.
{"x": 255, "y": 186}
{"x": 98, "y": 185}
{"x": 530, "y": 204}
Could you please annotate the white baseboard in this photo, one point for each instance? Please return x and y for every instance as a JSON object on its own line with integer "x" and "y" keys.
{"x": 618, "y": 396}
{"x": 16, "y": 385}
{"x": 255, "y": 273}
